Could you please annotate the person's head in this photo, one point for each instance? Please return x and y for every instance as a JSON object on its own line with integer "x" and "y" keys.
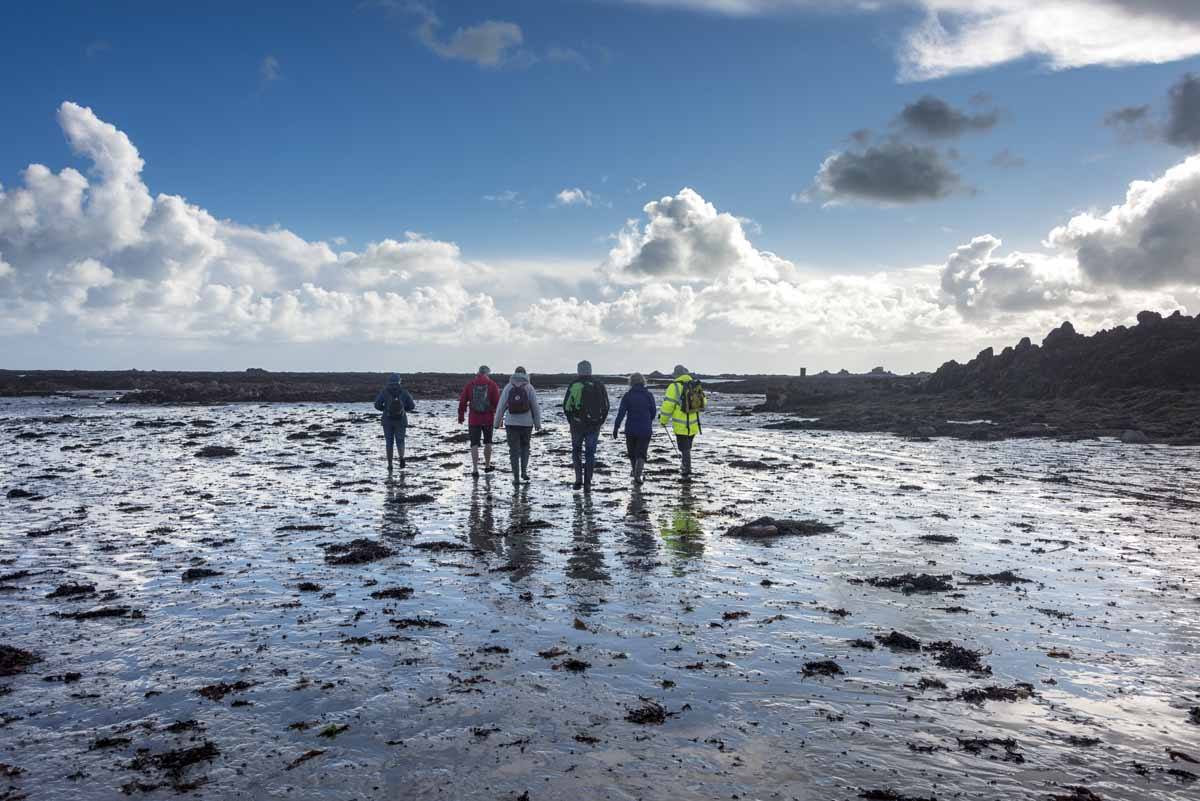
{"x": 394, "y": 379}
{"x": 678, "y": 371}
{"x": 520, "y": 374}
{"x": 637, "y": 380}
{"x": 584, "y": 368}
{"x": 484, "y": 370}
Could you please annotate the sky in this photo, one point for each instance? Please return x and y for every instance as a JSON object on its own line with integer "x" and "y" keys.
{"x": 737, "y": 185}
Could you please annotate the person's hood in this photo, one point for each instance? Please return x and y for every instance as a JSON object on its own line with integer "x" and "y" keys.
{"x": 394, "y": 380}
{"x": 519, "y": 378}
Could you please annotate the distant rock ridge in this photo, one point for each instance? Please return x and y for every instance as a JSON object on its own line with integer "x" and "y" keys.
{"x": 1157, "y": 353}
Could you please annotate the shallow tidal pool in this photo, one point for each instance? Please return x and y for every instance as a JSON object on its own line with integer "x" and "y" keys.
{"x": 201, "y": 628}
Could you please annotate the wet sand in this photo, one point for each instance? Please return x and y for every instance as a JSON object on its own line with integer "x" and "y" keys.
{"x": 985, "y": 620}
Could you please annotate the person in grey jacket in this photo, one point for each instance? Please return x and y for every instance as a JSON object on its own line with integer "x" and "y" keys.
{"x": 518, "y": 412}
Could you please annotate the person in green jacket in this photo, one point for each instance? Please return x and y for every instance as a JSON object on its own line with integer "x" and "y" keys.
{"x": 681, "y": 408}
{"x": 586, "y": 407}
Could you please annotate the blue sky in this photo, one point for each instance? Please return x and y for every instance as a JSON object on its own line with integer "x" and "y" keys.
{"x": 354, "y": 123}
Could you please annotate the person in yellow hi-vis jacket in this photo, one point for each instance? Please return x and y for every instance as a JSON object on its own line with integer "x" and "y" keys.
{"x": 681, "y": 408}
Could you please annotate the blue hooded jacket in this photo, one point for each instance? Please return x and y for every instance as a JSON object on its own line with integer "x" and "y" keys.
{"x": 638, "y": 406}
{"x": 384, "y": 398}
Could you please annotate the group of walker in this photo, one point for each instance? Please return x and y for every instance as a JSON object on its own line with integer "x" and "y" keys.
{"x": 484, "y": 407}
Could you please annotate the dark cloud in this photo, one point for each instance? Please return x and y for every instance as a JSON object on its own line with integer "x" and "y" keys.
{"x": 1127, "y": 116}
{"x": 935, "y": 118}
{"x": 1175, "y": 10}
{"x": 1133, "y": 124}
{"x": 1006, "y": 158}
{"x": 1183, "y": 113}
{"x": 862, "y": 136}
{"x": 893, "y": 172}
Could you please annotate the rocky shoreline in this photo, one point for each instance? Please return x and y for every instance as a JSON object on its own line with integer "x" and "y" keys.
{"x": 1141, "y": 384}
{"x": 252, "y": 386}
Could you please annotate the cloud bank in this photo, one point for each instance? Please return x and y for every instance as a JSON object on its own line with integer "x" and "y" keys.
{"x": 97, "y": 258}
{"x": 955, "y": 36}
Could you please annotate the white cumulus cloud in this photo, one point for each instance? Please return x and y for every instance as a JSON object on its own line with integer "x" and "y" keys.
{"x": 954, "y": 36}
{"x": 573, "y": 196}
{"x": 102, "y": 254}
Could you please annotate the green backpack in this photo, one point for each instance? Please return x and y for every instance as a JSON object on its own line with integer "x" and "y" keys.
{"x": 692, "y": 399}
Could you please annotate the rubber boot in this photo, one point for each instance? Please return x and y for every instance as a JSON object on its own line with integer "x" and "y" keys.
{"x": 639, "y": 467}
{"x": 487, "y": 459}
{"x": 474, "y": 461}
{"x": 389, "y": 454}
{"x": 587, "y": 476}
{"x": 514, "y": 459}
{"x": 578, "y": 477}
{"x": 524, "y": 465}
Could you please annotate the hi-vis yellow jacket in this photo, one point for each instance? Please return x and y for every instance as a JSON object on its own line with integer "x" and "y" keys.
{"x": 685, "y": 425}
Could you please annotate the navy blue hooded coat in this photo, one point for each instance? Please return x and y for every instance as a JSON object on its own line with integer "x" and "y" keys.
{"x": 637, "y": 410}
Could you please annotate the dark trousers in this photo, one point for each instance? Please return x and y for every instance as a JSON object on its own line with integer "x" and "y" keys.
{"x": 685, "y": 452}
{"x": 583, "y": 452}
{"x": 393, "y": 436}
{"x": 518, "y": 438}
{"x": 637, "y": 447}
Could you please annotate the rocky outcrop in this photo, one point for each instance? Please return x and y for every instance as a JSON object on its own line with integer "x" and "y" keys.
{"x": 1140, "y": 384}
{"x": 1157, "y": 353}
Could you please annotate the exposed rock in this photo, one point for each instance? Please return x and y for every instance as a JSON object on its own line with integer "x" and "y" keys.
{"x": 824, "y": 667}
{"x": 216, "y": 452}
{"x": 649, "y": 713}
{"x": 909, "y": 583}
{"x": 1142, "y": 378}
{"x": 197, "y": 573}
{"x": 765, "y": 527}
{"x": 398, "y": 593}
{"x": 356, "y": 552}
{"x": 956, "y": 657}
{"x": 72, "y": 590}
{"x": 16, "y": 660}
{"x": 215, "y": 692}
{"x": 899, "y": 642}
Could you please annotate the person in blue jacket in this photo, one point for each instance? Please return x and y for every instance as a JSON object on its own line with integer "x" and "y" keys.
{"x": 395, "y": 403}
{"x": 637, "y": 410}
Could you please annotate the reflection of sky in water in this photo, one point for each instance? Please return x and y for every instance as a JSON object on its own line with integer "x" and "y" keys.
{"x": 1112, "y": 560}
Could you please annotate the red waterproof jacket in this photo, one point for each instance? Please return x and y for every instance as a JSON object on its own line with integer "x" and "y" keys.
{"x": 464, "y": 401}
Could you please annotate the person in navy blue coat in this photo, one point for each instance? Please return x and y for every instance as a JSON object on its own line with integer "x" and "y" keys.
{"x": 637, "y": 411}
{"x": 395, "y": 403}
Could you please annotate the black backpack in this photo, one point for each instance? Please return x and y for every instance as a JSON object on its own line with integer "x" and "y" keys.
{"x": 480, "y": 402}
{"x": 395, "y": 407}
{"x": 592, "y": 406}
{"x": 518, "y": 399}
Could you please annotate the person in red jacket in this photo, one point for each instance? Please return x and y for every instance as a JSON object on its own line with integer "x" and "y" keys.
{"x": 480, "y": 397}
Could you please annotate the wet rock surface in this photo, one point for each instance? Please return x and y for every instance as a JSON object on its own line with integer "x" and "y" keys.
{"x": 1139, "y": 384}
{"x": 973, "y": 639}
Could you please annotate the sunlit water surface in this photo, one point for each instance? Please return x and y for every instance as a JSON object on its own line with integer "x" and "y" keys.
{"x": 641, "y": 586}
